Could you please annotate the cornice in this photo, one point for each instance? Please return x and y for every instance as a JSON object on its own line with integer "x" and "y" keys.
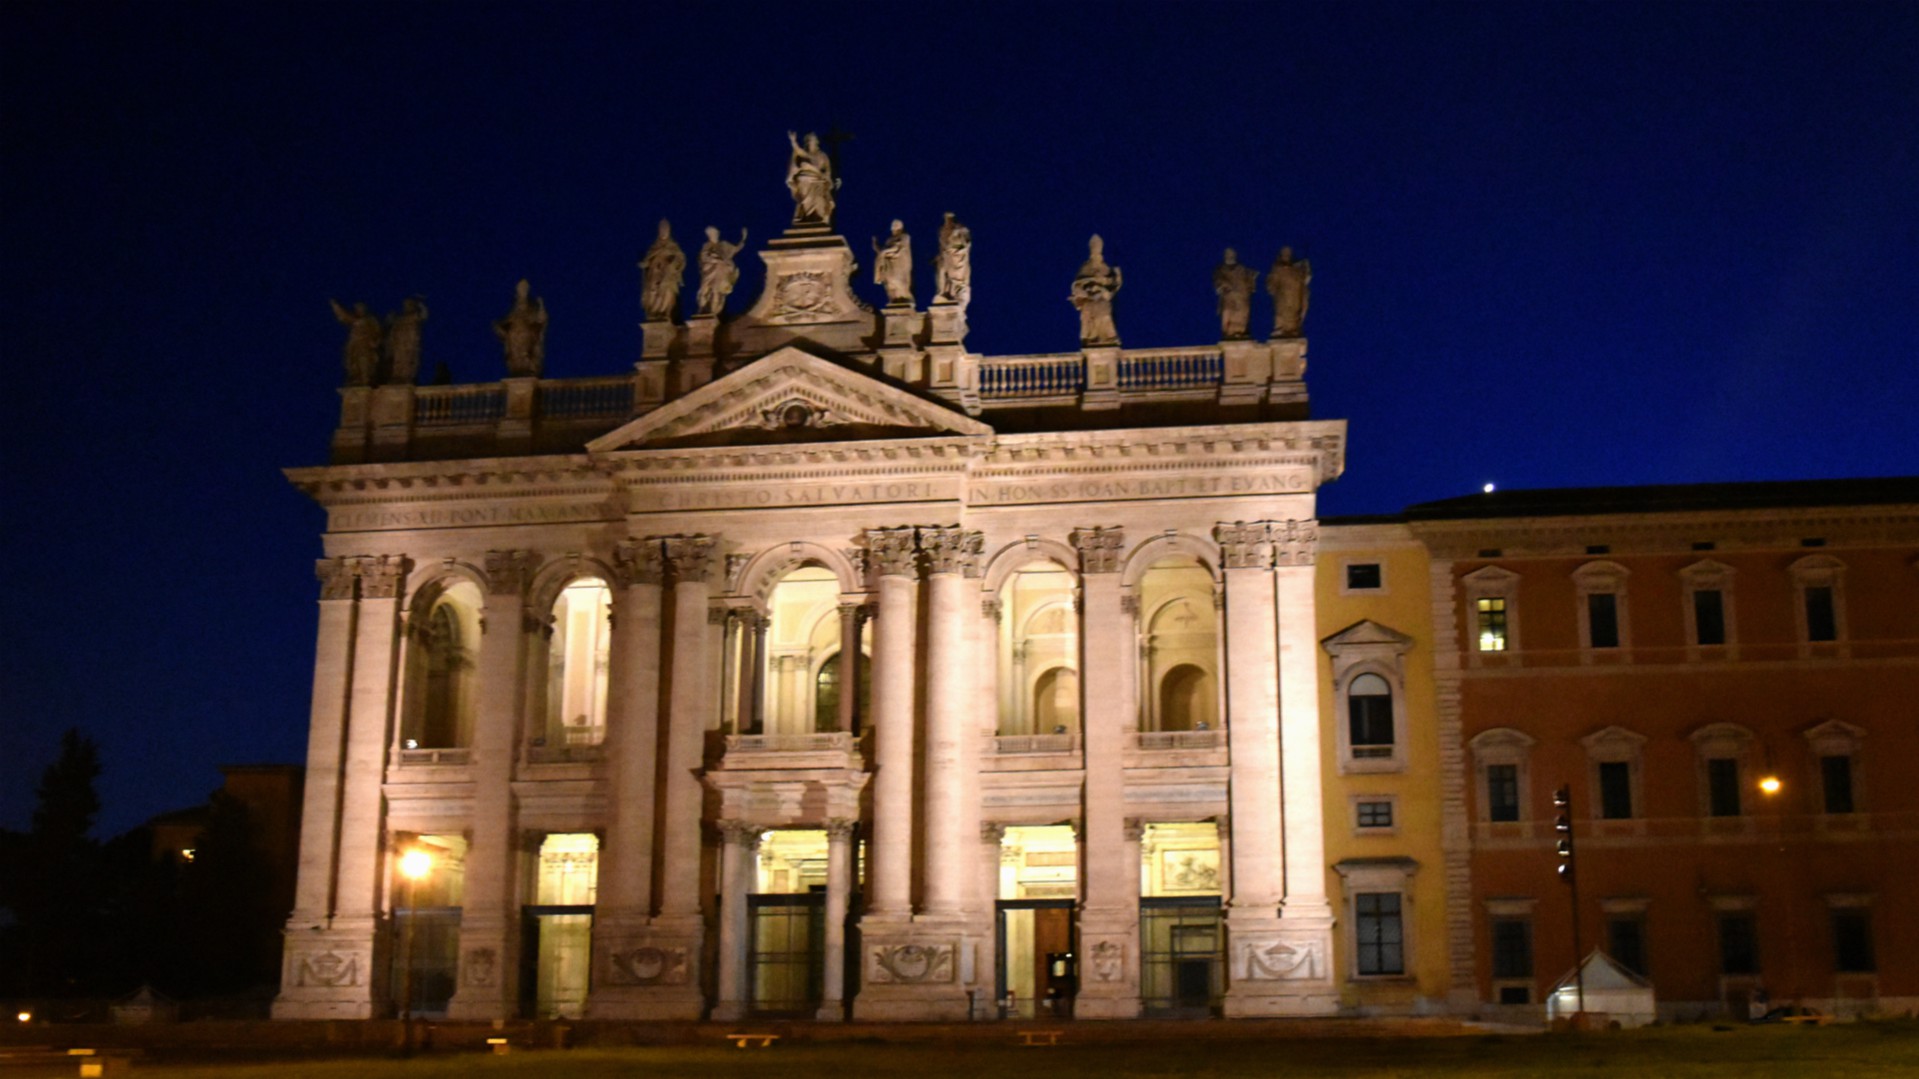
{"x": 524, "y": 477}
{"x": 1673, "y": 533}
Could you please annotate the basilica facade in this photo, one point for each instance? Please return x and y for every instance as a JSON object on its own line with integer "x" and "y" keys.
{"x": 821, "y": 667}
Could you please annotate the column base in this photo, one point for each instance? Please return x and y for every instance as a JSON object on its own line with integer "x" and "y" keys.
{"x": 832, "y": 1011}
{"x": 334, "y": 973}
{"x": 489, "y": 952}
{"x": 1279, "y": 966}
{"x": 1108, "y": 964}
{"x": 647, "y": 969}
{"x": 919, "y": 970}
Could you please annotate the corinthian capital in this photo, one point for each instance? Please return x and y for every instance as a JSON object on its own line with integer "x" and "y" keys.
{"x": 337, "y": 577}
{"x": 508, "y": 571}
{"x": 639, "y": 562}
{"x": 1244, "y": 545}
{"x": 383, "y": 576}
{"x": 690, "y": 556}
{"x": 890, "y": 553}
{"x": 952, "y": 550}
{"x": 1295, "y": 543}
{"x": 1098, "y": 548}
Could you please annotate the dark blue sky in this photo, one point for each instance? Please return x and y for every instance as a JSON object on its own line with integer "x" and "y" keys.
{"x": 1565, "y": 244}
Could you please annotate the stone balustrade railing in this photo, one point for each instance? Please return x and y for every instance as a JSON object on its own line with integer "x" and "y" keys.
{"x": 1164, "y": 740}
{"x": 814, "y": 742}
{"x": 563, "y": 754}
{"x": 1008, "y": 744}
{"x": 608, "y": 397}
{"x": 422, "y": 757}
{"x": 446, "y": 406}
{"x": 1171, "y": 368}
{"x": 1031, "y": 376}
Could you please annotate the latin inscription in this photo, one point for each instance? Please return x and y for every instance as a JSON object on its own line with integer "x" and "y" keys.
{"x": 824, "y": 494}
{"x": 1165, "y": 487}
{"x": 376, "y": 518}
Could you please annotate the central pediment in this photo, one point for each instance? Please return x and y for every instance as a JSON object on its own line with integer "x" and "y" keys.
{"x": 790, "y": 395}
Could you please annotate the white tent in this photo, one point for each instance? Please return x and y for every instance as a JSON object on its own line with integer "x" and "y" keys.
{"x": 1612, "y": 991}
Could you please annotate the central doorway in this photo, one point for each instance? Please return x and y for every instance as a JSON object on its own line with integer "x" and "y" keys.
{"x": 1037, "y": 966}
{"x": 786, "y": 938}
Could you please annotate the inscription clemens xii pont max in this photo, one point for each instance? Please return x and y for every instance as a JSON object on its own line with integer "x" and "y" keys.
{"x": 984, "y": 493}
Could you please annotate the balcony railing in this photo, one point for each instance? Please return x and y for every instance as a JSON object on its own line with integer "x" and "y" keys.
{"x": 422, "y": 757}
{"x": 1011, "y": 744}
{"x": 1167, "y": 740}
{"x": 810, "y": 742}
{"x": 587, "y": 398}
{"x": 573, "y": 754}
{"x": 448, "y": 406}
{"x": 1031, "y": 376}
{"x": 1170, "y": 369}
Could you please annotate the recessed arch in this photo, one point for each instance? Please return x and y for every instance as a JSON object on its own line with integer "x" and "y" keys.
{"x": 1017, "y": 556}
{"x": 554, "y": 577}
{"x": 1165, "y": 545}
{"x": 765, "y": 569}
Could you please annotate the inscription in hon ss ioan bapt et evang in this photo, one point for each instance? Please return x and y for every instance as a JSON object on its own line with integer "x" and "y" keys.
{"x": 1001, "y": 492}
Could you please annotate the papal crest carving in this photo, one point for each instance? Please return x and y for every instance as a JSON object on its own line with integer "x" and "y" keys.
{"x": 1270, "y": 960}
{"x": 800, "y": 295}
{"x": 1109, "y": 961}
{"x": 480, "y": 968}
{"x": 647, "y": 965}
{"x": 329, "y": 969}
{"x": 911, "y": 964}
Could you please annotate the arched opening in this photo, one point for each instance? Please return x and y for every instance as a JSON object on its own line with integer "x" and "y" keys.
{"x": 1187, "y": 699}
{"x": 1056, "y": 701}
{"x": 582, "y": 637}
{"x": 1179, "y": 646}
{"x": 441, "y": 676}
{"x": 1038, "y": 651}
{"x": 790, "y": 657}
{"x": 1369, "y": 711}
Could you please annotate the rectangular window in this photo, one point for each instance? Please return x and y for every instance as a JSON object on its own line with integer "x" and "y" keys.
{"x": 1512, "y": 948}
{"x": 1375, "y": 814}
{"x": 1626, "y": 942}
{"x": 1492, "y": 624}
{"x": 1502, "y": 792}
{"x": 1602, "y": 617}
{"x": 1379, "y": 933}
{"x": 1615, "y": 790}
{"x": 1709, "y": 615}
{"x": 1821, "y": 623}
{"x": 1852, "y": 942}
{"x": 1835, "y": 774}
{"x": 1363, "y": 577}
{"x": 1722, "y": 787}
{"x": 1738, "y": 944}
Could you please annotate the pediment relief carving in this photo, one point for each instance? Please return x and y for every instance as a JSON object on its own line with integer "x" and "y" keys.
{"x": 792, "y": 392}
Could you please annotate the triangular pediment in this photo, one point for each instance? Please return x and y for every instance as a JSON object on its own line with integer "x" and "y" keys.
{"x": 1367, "y": 633}
{"x": 791, "y": 395}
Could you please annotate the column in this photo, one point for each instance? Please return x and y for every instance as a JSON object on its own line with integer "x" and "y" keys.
{"x": 739, "y": 868}
{"x": 849, "y": 666}
{"x": 690, "y": 558}
{"x": 1252, "y": 702}
{"x": 839, "y": 887}
{"x": 489, "y": 920}
{"x": 894, "y": 634}
{"x": 1109, "y": 904}
{"x": 1295, "y": 550}
{"x": 757, "y": 625}
{"x": 313, "y": 986}
{"x": 632, "y": 752}
{"x": 992, "y": 839}
{"x": 951, "y": 553}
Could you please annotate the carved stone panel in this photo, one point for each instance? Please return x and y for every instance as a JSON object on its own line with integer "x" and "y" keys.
{"x": 331, "y": 969}
{"x": 910, "y": 964}
{"x": 1266, "y": 959}
{"x": 647, "y": 965}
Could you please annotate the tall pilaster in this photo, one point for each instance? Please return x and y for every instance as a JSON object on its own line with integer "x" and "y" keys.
{"x": 850, "y": 621}
{"x": 1109, "y": 906}
{"x": 839, "y": 887}
{"x": 1295, "y": 547}
{"x": 489, "y": 922}
{"x": 326, "y": 974}
{"x": 625, "y": 901}
{"x": 894, "y": 635}
{"x": 952, "y": 556}
{"x": 739, "y": 870}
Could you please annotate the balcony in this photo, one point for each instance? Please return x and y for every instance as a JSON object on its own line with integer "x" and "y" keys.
{"x": 1162, "y": 741}
{"x": 421, "y": 758}
{"x": 812, "y": 749}
{"x": 1007, "y": 745}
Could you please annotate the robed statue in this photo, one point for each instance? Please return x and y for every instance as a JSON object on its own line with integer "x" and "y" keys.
{"x": 1093, "y": 291}
{"x": 718, "y": 274}
{"x": 955, "y": 263}
{"x": 809, "y": 176}
{"x": 362, "y": 352}
{"x": 1233, "y": 282}
{"x": 662, "y": 272}
{"x": 893, "y": 266}
{"x": 522, "y": 333}
{"x": 1290, "y": 284}
{"x": 403, "y": 341}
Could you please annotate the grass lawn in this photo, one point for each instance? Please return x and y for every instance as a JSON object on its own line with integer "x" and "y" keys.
{"x": 1851, "y": 1051}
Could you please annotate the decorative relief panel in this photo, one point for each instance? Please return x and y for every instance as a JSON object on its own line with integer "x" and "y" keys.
{"x": 1279, "y": 960}
{"x": 1109, "y": 961}
{"x": 480, "y": 967}
{"x": 910, "y": 964}
{"x": 329, "y": 969}
{"x": 647, "y": 965}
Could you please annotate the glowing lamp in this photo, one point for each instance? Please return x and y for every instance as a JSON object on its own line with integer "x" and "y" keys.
{"x": 25, "y": 1017}
{"x": 1770, "y": 784}
{"x": 415, "y": 864}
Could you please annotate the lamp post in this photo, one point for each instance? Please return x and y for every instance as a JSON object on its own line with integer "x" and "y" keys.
{"x": 415, "y": 864}
{"x": 1563, "y": 824}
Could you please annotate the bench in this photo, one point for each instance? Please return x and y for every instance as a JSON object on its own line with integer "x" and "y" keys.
{"x": 1039, "y": 1037}
{"x": 94, "y": 1065}
{"x": 500, "y": 1046}
{"x": 741, "y": 1041}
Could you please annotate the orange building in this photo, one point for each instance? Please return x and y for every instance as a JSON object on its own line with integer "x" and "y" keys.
{"x": 1725, "y": 678}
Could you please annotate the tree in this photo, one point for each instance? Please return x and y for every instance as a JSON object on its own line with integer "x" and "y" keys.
{"x": 55, "y": 878}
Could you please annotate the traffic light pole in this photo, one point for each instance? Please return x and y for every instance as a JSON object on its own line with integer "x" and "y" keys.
{"x": 1568, "y": 872}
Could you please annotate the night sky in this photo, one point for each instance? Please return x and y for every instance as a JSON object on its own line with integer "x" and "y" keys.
{"x": 1553, "y": 245}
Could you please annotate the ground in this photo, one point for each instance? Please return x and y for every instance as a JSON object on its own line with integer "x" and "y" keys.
{"x": 1857, "y": 1051}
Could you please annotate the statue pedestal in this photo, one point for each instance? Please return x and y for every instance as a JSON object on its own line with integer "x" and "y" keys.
{"x": 1102, "y": 377}
{"x": 515, "y": 429}
{"x": 695, "y": 369}
{"x": 356, "y": 412}
{"x": 335, "y": 973}
{"x": 1279, "y": 966}
{"x": 657, "y": 340}
{"x": 808, "y": 296}
{"x": 1289, "y": 371}
{"x": 899, "y": 353}
{"x": 1246, "y": 367}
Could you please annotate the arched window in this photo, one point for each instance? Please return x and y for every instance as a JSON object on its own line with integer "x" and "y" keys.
{"x": 1056, "y": 701}
{"x": 441, "y": 676}
{"x": 1187, "y": 699}
{"x": 576, "y": 664}
{"x": 1038, "y": 651}
{"x": 801, "y": 625}
{"x": 1369, "y": 709}
{"x": 826, "y": 694}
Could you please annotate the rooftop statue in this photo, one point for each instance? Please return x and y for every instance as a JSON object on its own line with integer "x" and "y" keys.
{"x": 955, "y": 262}
{"x": 718, "y": 275}
{"x": 1093, "y": 291}
{"x": 1289, "y": 283}
{"x": 403, "y": 341}
{"x": 362, "y": 352}
{"x": 662, "y": 272}
{"x": 809, "y": 176}
{"x": 893, "y": 266}
{"x": 1233, "y": 281}
{"x": 523, "y": 333}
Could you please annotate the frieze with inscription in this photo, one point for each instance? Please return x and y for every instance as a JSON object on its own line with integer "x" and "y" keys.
{"x": 464, "y": 515}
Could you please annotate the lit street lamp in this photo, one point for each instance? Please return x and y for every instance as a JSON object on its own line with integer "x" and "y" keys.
{"x": 415, "y": 864}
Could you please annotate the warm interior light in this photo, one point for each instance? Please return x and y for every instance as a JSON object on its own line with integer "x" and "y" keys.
{"x": 25, "y": 1017}
{"x": 1770, "y": 784}
{"x": 415, "y": 864}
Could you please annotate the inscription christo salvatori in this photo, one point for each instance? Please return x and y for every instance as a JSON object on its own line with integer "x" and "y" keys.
{"x": 1066, "y": 490}
{"x": 370, "y": 518}
{"x": 822, "y": 494}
